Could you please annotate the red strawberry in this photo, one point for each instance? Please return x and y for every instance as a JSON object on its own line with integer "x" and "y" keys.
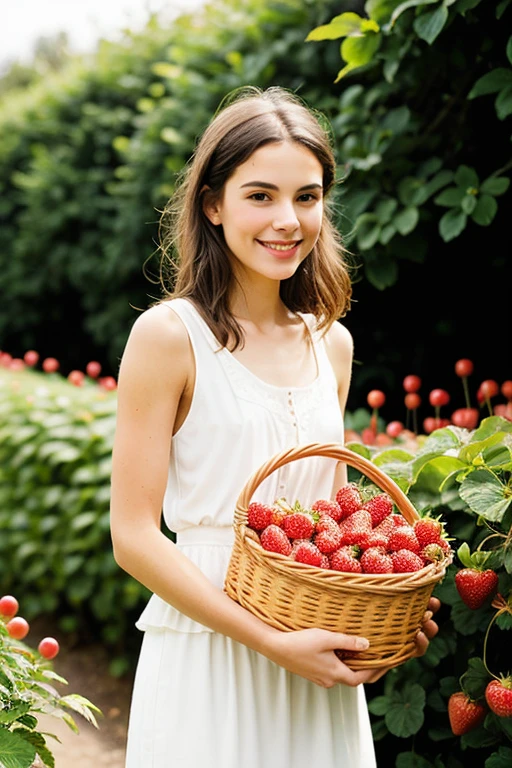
{"x": 464, "y": 713}
{"x": 259, "y": 515}
{"x": 405, "y": 561}
{"x": 398, "y": 519}
{"x": 278, "y": 515}
{"x": 298, "y": 525}
{"x": 306, "y": 552}
{"x": 376, "y": 560}
{"x": 387, "y": 526}
{"x": 354, "y": 526}
{"x": 349, "y": 499}
{"x": 379, "y": 507}
{"x": 474, "y": 586}
{"x": 274, "y": 539}
{"x": 325, "y": 507}
{"x": 373, "y": 538}
{"x": 404, "y": 538}
{"x": 498, "y": 696}
{"x": 328, "y": 536}
{"x": 345, "y": 559}
{"x": 428, "y": 530}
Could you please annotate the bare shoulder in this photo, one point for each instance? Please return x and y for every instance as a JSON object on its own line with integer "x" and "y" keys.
{"x": 339, "y": 342}
{"x": 158, "y": 346}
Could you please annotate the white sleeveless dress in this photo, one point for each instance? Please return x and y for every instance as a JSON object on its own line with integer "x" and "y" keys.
{"x": 200, "y": 699}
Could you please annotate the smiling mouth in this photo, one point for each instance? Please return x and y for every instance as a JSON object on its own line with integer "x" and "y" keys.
{"x": 280, "y": 246}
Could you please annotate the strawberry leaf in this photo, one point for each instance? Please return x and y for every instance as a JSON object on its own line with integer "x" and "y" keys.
{"x": 411, "y": 760}
{"x": 405, "y": 715}
{"x": 475, "y": 679}
{"x": 485, "y": 495}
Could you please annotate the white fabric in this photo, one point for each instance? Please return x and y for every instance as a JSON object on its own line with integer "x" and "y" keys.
{"x": 199, "y": 698}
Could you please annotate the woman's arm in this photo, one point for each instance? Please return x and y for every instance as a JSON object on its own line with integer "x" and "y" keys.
{"x": 155, "y": 380}
{"x": 340, "y": 349}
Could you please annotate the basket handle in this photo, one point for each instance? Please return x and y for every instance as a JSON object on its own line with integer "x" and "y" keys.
{"x": 332, "y": 451}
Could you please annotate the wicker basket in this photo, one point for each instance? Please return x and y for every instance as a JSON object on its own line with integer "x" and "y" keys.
{"x": 386, "y": 608}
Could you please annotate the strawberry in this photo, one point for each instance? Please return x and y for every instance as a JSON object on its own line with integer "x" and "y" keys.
{"x": 345, "y": 559}
{"x": 298, "y": 525}
{"x": 387, "y": 526}
{"x": 373, "y": 538}
{"x": 354, "y": 526}
{"x": 429, "y": 530}
{"x": 274, "y": 539}
{"x": 306, "y": 552}
{"x": 464, "y": 713}
{"x": 405, "y": 561}
{"x": 325, "y": 507}
{"x": 404, "y": 538}
{"x": 498, "y": 695}
{"x": 379, "y": 507}
{"x": 328, "y": 535}
{"x": 376, "y": 560}
{"x": 475, "y": 586}
{"x": 259, "y": 515}
{"x": 398, "y": 520}
{"x": 433, "y": 553}
{"x": 349, "y": 499}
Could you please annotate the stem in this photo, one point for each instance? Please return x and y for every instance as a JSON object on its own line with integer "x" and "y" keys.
{"x": 415, "y": 422}
{"x": 484, "y": 653}
{"x": 489, "y": 407}
{"x": 466, "y": 391}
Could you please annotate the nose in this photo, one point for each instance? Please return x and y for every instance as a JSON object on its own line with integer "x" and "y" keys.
{"x": 286, "y": 219}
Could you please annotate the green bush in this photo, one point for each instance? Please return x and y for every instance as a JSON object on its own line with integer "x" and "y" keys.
{"x": 56, "y": 551}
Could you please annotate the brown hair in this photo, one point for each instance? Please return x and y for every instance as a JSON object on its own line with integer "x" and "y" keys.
{"x": 245, "y": 121}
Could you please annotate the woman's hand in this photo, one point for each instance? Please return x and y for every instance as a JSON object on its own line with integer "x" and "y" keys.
{"x": 310, "y": 652}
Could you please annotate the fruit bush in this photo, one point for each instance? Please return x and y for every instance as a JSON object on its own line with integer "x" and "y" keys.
{"x": 420, "y": 719}
{"x": 27, "y": 690}
{"x": 56, "y": 441}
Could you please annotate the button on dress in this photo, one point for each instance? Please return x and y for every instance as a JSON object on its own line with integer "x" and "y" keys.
{"x": 200, "y": 699}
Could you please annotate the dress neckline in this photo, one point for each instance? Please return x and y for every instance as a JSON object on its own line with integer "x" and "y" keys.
{"x": 229, "y": 356}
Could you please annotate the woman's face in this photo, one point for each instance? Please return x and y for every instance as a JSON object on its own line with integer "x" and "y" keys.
{"x": 271, "y": 210}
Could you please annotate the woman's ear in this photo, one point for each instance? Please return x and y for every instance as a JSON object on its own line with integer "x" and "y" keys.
{"x": 211, "y": 207}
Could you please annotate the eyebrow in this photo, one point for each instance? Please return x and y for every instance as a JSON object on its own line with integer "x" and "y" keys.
{"x": 266, "y": 185}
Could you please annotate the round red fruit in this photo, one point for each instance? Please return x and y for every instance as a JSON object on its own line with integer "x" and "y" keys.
{"x": 108, "y": 383}
{"x": 439, "y": 397}
{"x": 430, "y": 424}
{"x": 466, "y": 417}
{"x": 8, "y": 606}
{"x": 464, "y": 367}
{"x": 498, "y": 695}
{"x": 394, "y": 428}
{"x": 93, "y": 369}
{"x": 18, "y": 628}
{"x": 76, "y": 378}
{"x": 412, "y": 401}
{"x": 376, "y": 398}
{"x": 31, "y": 357}
{"x": 48, "y": 647}
{"x": 50, "y": 365}
{"x": 489, "y": 388}
{"x": 506, "y": 389}
{"x": 411, "y": 383}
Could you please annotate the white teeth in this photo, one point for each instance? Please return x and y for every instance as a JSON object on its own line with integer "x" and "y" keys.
{"x": 280, "y": 247}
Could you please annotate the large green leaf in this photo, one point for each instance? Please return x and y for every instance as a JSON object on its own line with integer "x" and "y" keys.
{"x": 405, "y": 714}
{"x": 430, "y": 24}
{"x": 485, "y": 495}
{"x": 15, "y": 752}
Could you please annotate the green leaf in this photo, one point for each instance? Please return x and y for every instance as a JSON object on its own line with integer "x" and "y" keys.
{"x": 379, "y": 705}
{"x": 406, "y": 220}
{"x": 385, "y": 209}
{"x": 451, "y": 224}
{"x": 491, "y": 82}
{"x": 339, "y": 26}
{"x": 405, "y": 716}
{"x": 495, "y": 185}
{"x": 430, "y": 24}
{"x": 368, "y": 231}
{"x": 468, "y": 204}
{"x": 485, "y": 210}
{"x": 475, "y": 679}
{"x": 503, "y": 103}
{"x": 466, "y": 177}
{"x": 358, "y": 51}
{"x": 411, "y": 760}
{"x": 406, "y": 5}
{"x": 8, "y": 716}
{"x": 453, "y": 196}
{"x": 485, "y": 495}
{"x": 381, "y": 272}
{"x": 500, "y": 759}
{"x": 15, "y": 752}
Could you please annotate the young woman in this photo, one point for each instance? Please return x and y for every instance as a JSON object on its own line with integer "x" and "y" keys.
{"x": 242, "y": 358}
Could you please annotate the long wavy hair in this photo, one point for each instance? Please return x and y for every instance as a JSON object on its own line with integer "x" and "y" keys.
{"x": 194, "y": 260}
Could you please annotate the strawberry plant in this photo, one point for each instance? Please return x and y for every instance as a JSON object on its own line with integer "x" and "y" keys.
{"x": 455, "y": 700}
{"x": 27, "y": 690}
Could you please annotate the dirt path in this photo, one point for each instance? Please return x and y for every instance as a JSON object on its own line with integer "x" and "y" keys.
{"x": 86, "y": 670}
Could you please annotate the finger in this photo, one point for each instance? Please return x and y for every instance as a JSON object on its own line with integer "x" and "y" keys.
{"x": 343, "y": 642}
{"x": 434, "y": 604}
{"x": 430, "y": 629}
